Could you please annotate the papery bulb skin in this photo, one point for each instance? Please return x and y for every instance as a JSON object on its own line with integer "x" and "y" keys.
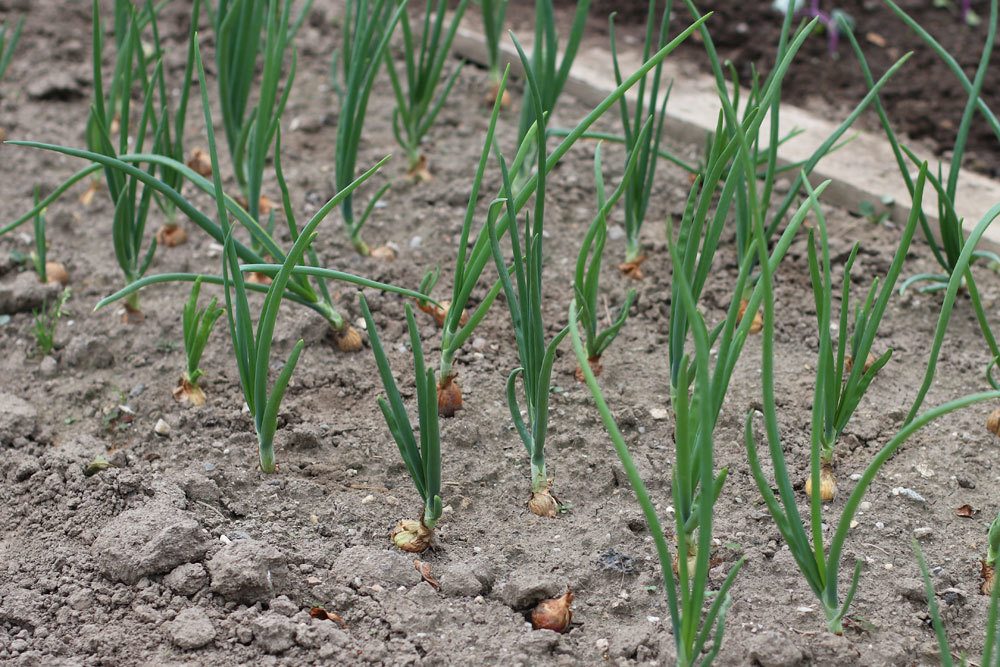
{"x": 490, "y": 98}
{"x": 849, "y": 363}
{"x": 384, "y": 253}
{"x": 555, "y": 614}
{"x": 757, "y": 325}
{"x": 186, "y": 392}
{"x": 993, "y": 422}
{"x": 171, "y": 236}
{"x": 449, "y": 396}
{"x": 595, "y": 367}
{"x": 542, "y": 503}
{"x": 633, "y": 269}
{"x": 827, "y": 483}
{"x": 440, "y": 313}
{"x": 347, "y": 339}
{"x": 988, "y": 574}
{"x": 412, "y": 536}
{"x": 56, "y": 274}
{"x": 418, "y": 171}
{"x": 200, "y": 162}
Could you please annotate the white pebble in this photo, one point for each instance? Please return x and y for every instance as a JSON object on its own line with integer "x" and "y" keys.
{"x": 161, "y": 428}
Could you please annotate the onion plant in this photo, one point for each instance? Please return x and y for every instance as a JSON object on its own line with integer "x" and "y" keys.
{"x": 586, "y": 280}
{"x": 46, "y": 319}
{"x": 697, "y": 634}
{"x": 48, "y": 272}
{"x": 458, "y": 324}
{"x": 846, "y": 366}
{"x": 423, "y": 460}
{"x": 991, "y": 653}
{"x": 819, "y": 562}
{"x": 550, "y": 72}
{"x": 651, "y": 102}
{"x": 131, "y": 203}
{"x": 755, "y": 194}
{"x": 494, "y": 13}
{"x": 251, "y": 35}
{"x": 8, "y": 42}
{"x": 368, "y": 27}
{"x": 418, "y": 102}
{"x": 197, "y": 324}
{"x": 524, "y": 301}
{"x": 171, "y": 135}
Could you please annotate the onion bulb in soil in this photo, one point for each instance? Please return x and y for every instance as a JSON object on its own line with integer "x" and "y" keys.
{"x": 595, "y": 366}
{"x": 554, "y": 614}
{"x": 692, "y": 558}
{"x": 412, "y": 536}
{"x": 993, "y": 422}
{"x": 56, "y": 274}
{"x": 187, "y": 392}
{"x": 827, "y": 483}
{"x": 849, "y": 362}
{"x": 171, "y": 236}
{"x": 418, "y": 171}
{"x": 490, "y": 98}
{"x": 200, "y": 162}
{"x": 633, "y": 269}
{"x": 439, "y": 313}
{"x": 988, "y": 575}
{"x": 543, "y": 503}
{"x": 383, "y": 252}
{"x": 132, "y": 315}
{"x": 347, "y": 339}
{"x": 449, "y": 396}
{"x": 757, "y": 325}
{"x": 258, "y": 278}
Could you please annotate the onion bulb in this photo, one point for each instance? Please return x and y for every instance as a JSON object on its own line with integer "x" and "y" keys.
{"x": 56, "y": 274}
{"x": 633, "y": 269}
{"x": 490, "y": 98}
{"x": 554, "y": 614}
{"x": 692, "y": 558}
{"x": 412, "y": 536}
{"x": 827, "y": 483}
{"x": 595, "y": 366}
{"x": 186, "y": 392}
{"x": 449, "y": 396}
{"x": 543, "y": 503}
{"x": 993, "y": 422}
{"x": 383, "y": 252}
{"x": 440, "y": 313}
{"x": 200, "y": 162}
{"x": 347, "y": 339}
{"x": 849, "y": 362}
{"x": 171, "y": 236}
{"x": 757, "y": 325}
{"x": 989, "y": 578}
{"x": 418, "y": 171}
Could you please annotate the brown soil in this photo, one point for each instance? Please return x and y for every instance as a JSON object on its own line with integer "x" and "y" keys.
{"x": 923, "y": 100}
{"x": 181, "y": 552}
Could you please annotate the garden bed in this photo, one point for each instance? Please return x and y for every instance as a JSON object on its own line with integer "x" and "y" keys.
{"x": 183, "y": 552}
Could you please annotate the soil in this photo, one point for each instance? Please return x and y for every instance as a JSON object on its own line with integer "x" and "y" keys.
{"x": 181, "y": 552}
{"x": 923, "y": 100}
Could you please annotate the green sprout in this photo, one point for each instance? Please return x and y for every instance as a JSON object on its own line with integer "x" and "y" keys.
{"x": 197, "y": 324}
{"x": 419, "y": 103}
{"x": 586, "y": 280}
{"x": 368, "y": 27}
{"x": 39, "y": 258}
{"x": 46, "y": 321}
{"x": 8, "y": 43}
{"x": 494, "y": 13}
{"x": 423, "y": 460}
{"x": 645, "y": 147}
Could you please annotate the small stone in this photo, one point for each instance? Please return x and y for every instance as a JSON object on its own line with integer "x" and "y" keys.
{"x": 162, "y": 428}
{"x": 966, "y": 483}
{"x": 191, "y": 629}
{"x": 282, "y": 605}
{"x": 658, "y": 413}
{"x": 416, "y": 241}
{"x": 48, "y": 367}
{"x": 923, "y": 532}
{"x": 187, "y": 579}
{"x": 274, "y": 633}
{"x": 88, "y": 353}
{"x": 478, "y": 344}
{"x": 912, "y": 589}
{"x": 248, "y": 571}
{"x": 616, "y": 233}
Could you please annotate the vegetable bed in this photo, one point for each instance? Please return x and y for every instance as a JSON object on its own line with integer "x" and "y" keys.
{"x": 139, "y": 529}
